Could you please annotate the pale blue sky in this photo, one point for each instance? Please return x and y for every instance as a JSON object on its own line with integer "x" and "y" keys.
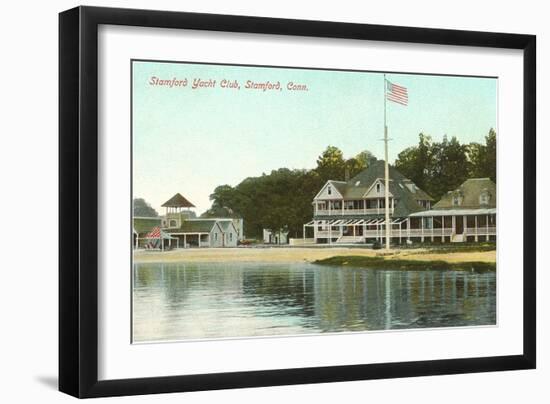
{"x": 191, "y": 141}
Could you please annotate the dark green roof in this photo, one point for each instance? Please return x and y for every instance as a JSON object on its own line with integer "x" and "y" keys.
{"x": 194, "y": 226}
{"x": 469, "y": 193}
{"x": 406, "y": 198}
{"x": 145, "y": 224}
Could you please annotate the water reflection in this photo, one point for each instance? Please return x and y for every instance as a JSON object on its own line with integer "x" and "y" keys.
{"x": 207, "y": 300}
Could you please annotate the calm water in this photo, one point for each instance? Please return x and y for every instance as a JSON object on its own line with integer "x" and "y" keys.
{"x": 206, "y": 300}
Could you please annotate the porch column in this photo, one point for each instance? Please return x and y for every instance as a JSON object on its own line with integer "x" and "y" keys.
{"x": 199, "y": 239}
{"x": 465, "y": 229}
{"x": 487, "y": 227}
{"x": 185, "y": 241}
{"x": 422, "y": 229}
{"x": 364, "y": 206}
{"x": 408, "y": 229}
{"x": 442, "y": 229}
{"x": 453, "y": 225}
{"x": 432, "y": 230}
{"x": 400, "y": 226}
{"x": 304, "y": 233}
{"x": 330, "y": 233}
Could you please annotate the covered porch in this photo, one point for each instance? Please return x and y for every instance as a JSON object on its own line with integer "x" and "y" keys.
{"x": 454, "y": 225}
{"x": 354, "y": 231}
{"x": 192, "y": 239}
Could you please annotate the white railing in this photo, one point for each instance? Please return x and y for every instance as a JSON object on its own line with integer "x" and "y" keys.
{"x": 326, "y": 233}
{"x": 340, "y": 212}
{"x": 430, "y": 232}
{"x": 481, "y": 230}
{"x": 446, "y": 232}
{"x": 350, "y": 239}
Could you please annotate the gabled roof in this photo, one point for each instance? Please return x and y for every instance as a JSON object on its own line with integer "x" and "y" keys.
{"x": 145, "y": 224}
{"x": 339, "y": 185}
{"x": 225, "y": 225}
{"x": 469, "y": 191}
{"x": 177, "y": 201}
{"x": 357, "y": 187}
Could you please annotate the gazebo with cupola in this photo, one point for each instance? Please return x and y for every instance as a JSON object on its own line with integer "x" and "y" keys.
{"x": 178, "y": 209}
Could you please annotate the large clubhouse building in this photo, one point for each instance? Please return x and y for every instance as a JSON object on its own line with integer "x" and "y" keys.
{"x": 351, "y": 212}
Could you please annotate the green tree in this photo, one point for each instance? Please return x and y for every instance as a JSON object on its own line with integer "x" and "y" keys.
{"x": 331, "y": 164}
{"x": 483, "y": 158}
{"x": 448, "y": 166}
{"x": 436, "y": 167}
{"x": 366, "y": 158}
{"x": 415, "y": 162}
{"x": 143, "y": 209}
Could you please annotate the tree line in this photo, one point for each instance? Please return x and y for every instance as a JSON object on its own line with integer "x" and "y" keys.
{"x": 282, "y": 199}
{"x": 439, "y": 167}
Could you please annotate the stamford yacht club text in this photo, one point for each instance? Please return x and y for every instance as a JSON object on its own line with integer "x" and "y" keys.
{"x": 226, "y": 84}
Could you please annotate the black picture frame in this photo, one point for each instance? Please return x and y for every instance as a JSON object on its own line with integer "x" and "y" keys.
{"x": 78, "y": 200}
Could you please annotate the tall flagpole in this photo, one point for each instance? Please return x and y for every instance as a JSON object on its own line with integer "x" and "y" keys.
{"x": 387, "y": 172}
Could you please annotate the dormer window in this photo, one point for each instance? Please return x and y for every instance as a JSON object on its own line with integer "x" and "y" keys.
{"x": 173, "y": 223}
{"x": 378, "y": 186}
{"x": 329, "y": 190}
{"x": 484, "y": 197}
{"x": 456, "y": 200}
{"x": 410, "y": 185}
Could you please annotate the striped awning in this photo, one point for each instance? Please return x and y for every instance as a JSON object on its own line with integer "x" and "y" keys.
{"x": 158, "y": 233}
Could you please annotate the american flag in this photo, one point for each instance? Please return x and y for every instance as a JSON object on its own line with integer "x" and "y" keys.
{"x": 155, "y": 233}
{"x": 396, "y": 93}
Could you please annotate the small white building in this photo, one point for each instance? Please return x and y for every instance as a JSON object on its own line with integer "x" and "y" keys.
{"x": 277, "y": 237}
{"x": 179, "y": 222}
{"x": 205, "y": 233}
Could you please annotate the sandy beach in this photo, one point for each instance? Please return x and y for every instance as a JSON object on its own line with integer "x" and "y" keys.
{"x": 296, "y": 254}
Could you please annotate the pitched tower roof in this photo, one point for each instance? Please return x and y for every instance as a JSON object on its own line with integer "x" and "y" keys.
{"x": 177, "y": 201}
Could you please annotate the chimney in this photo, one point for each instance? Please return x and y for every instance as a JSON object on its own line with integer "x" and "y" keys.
{"x": 346, "y": 175}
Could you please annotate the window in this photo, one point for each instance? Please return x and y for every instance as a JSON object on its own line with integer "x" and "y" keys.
{"x": 329, "y": 190}
{"x": 230, "y": 236}
{"x": 215, "y": 236}
{"x": 456, "y": 200}
{"x": 378, "y": 187}
{"x": 484, "y": 197}
{"x": 173, "y": 223}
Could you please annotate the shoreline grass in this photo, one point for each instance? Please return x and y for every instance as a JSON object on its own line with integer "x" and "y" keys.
{"x": 381, "y": 262}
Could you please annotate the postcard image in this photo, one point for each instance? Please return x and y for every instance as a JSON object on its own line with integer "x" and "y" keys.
{"x": 284, "y": 201}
